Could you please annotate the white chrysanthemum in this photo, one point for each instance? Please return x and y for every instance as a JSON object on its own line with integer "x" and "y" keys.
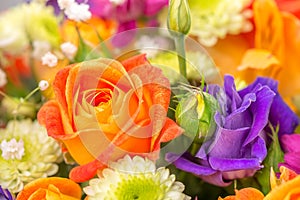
{"x": 216, "y": 18}
{"x": 135, "y": 178}
{"x": 26, "y": 153}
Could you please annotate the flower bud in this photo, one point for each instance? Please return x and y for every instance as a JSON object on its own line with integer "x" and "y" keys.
{"x": 179, "y": 19}
{"x": 195, "y": 114}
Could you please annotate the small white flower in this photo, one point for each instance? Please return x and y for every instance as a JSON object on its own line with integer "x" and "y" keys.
{"x": 68, "y": 49}
{"x": 12, "y": 149}
{"x": 40, "y": 48}
{"x": 135, "y": 178}
{"x": 3, "y": 78}
{"x": 43, "y": 85}
{"x": 49, "y": 59}
{"x": 78, "y": 12}
{"x": 63, "y": 4}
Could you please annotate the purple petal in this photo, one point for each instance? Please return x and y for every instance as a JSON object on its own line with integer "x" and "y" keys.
{"x": 189, "y": 166}
{"x": 130, "y": 10}
{"x": 232, "y": 175}
{"x": 222, "y": 146}
{"x": 102, "y": 8}
{"x": 290, "y": 143}
{"x": 234, "y": 99}
{"x": 216, "y": 179}
{"x": 124, "y": 37}
{"x": 258, "y": 149}
{"x": 241, "y": 117}
{"x": 152, "y": 7}
{"x": 232, "y": 164}
{"x": 260, "y": 111}
{"x": 280, "y": 112}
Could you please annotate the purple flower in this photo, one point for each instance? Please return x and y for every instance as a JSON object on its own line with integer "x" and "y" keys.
{"x": 5, "y": 194}
{"x": 280, "y": 112}
{"x": 237, "y": 148}
{"x": 127, "y": 14}
{"x": 291, "y": 148}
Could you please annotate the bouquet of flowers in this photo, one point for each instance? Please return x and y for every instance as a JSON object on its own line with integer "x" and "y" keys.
{"x": 150, "y": 99}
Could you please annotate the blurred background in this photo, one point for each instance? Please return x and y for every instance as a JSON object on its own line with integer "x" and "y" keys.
{"x": 4, "y": 4}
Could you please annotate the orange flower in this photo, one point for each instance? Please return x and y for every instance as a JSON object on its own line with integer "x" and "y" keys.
{"x": 287, "y": 187}
{"x": 104, "y": 109}
{"x": 272, "y": 50}
{"x": 245, "y": 194}
{"x": 88, "y": 30}
{"x": 50, "y": 188}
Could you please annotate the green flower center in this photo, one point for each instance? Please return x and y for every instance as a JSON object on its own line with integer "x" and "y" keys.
{"x": 139, "y": 187}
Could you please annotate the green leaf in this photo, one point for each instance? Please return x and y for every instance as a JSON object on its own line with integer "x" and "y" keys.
{"x": 274, "y": 157}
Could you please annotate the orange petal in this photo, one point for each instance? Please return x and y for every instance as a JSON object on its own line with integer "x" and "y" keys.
{"x": 59, "y": 86}
{"x": 289, "y": 77}
{"x": 258, "y": 62}
{"x": 49, "y": 116}
{"x": 86, "y": 172}
{"x": 65, "y": 186}
{"x": 170, "y": 131}
{"x": 228, "y": 52}
{"x": 288, "y": 190}
{"x": 249, "y": 194}
{"x": 269, "y": 28}
{"x": 245, "y": 194}
{"x": 135, "y": 61}
{"x": 88, "y": 30}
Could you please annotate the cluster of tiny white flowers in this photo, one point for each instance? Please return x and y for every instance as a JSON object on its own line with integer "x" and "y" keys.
{"x": 49, "y": 59}
{"x": 68, "y": 49}
{"x": 75, "y": 11}
{"x": 12, "y": 149}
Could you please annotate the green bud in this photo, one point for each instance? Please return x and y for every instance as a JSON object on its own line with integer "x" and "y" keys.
{"x": 195, "y": 114}
{"x": 179, "y": 18}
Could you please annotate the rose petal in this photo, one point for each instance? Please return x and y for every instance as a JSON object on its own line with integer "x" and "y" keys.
{"x": 65, "y": 186}
{"x": 86, "y": 172}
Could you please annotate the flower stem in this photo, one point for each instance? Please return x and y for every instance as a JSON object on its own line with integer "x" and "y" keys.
{"x": 180, "y": 48}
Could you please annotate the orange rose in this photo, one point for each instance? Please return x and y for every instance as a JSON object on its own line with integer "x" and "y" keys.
{"x": 50, "y": 188}
{"x": 286, "y": 187}
{"x": 104, "y": 109}
{"x": 245, "y": 194}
